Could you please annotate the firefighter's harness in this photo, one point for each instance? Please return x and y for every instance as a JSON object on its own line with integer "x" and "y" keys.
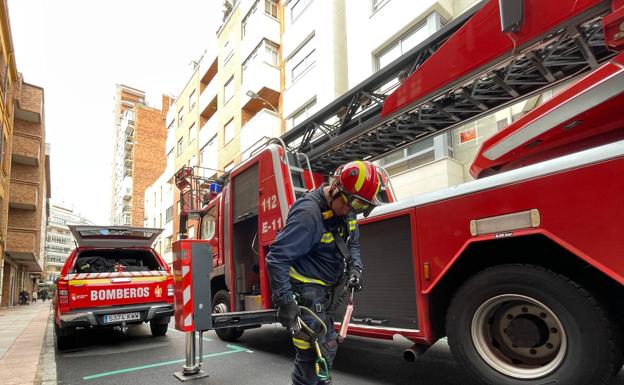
{"x": 321, "y": 367}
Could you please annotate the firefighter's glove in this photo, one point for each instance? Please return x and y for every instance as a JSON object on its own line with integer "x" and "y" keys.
{"x": 287, "y": 314}
{"x": 354, "y": 279}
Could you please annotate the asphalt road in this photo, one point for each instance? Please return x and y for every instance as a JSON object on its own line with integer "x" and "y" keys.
{"x": 261, "y": 357}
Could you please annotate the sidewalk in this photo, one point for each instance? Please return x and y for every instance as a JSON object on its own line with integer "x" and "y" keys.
{"x": 22, "y": 333}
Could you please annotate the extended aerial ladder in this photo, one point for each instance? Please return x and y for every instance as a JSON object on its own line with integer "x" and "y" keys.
{"x": 477, "y": 64}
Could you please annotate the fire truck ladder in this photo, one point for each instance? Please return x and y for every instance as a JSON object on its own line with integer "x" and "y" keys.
{"x": 353, "y": 126}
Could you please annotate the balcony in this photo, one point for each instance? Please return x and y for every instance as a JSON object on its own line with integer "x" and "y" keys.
{"x": 22, "y": 247}
{"x": 208, "y": 130}
{"x": 29, "y": 104}
{"x": 265, "y": 124}
{"x": 263, "y": 79}
{"x": 208, "y": 65}
{"x": 129, "y": 145}
{"x": 258, "y": 26}
{"x": 26, "y": 149}
{"x": 170, "y": 116}
{"x": 208, "y": 99}
{"x": 23, "y": 195}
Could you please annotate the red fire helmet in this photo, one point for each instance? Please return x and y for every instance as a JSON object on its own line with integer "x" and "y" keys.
{"x": 359, "y": 181}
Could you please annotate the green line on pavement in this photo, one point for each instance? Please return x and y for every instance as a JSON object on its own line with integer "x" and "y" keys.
{"x": 234, "y": 349}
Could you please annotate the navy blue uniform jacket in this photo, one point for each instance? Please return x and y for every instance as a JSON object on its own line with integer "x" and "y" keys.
{"x": 306, "y": 244}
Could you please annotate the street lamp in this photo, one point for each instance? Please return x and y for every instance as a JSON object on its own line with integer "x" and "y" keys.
{"x": 254, "y": 95}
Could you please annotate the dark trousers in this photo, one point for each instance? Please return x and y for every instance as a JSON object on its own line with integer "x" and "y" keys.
{"x": 316, "y": 298}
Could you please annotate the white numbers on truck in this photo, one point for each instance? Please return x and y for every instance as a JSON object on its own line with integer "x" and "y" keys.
{"x": 272, "y": 225}
{"x": 269, "y": 203}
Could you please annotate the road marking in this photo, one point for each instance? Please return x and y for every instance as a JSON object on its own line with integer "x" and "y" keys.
{"x": 234, "y": 349}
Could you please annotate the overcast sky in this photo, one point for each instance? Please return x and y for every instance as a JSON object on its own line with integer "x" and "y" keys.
{"x": 77, "y": 50}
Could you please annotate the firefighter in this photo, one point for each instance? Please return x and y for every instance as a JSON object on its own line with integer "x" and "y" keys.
{"x": 307, "y": 261}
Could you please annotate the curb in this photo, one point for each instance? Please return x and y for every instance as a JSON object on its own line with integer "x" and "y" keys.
{"x": 46, "y": 369}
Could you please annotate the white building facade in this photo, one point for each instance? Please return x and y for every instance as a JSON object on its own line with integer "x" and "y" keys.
{"x": 59, "y": 241}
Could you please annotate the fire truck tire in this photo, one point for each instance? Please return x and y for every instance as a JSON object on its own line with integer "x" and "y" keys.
{"x": 159, "y": 326}
{"x": 221, "y": 304}
{"x": 523, "y": 324}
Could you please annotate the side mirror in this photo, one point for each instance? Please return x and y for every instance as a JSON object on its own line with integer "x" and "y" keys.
{"x": 56, "y": 280}
{"x": 214, "y": 242}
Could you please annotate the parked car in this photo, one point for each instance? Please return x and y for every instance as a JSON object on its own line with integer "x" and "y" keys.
{"x": 113, "y": 278}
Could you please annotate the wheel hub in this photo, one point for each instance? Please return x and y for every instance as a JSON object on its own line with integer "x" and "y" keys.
{"x": 519, "y": 336}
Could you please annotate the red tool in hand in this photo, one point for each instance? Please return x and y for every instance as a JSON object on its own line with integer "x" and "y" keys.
{"x": 347, "y": 318}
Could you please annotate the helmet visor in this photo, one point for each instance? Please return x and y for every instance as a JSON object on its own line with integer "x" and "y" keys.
{"x": 357, "y": 204}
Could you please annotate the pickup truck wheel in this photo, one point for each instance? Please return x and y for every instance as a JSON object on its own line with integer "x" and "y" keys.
{"x": 221, "y": 304}
{"x": 159, "y": 327}
{"x": 63, "y": 338}
{"x": 522, "y": 324}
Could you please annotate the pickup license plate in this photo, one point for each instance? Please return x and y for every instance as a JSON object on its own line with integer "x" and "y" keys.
{"x": 122, "y": 317}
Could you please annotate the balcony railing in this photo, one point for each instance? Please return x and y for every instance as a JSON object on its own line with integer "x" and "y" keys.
{"x": 259, "y": 26}
{"x": 259, "y": 75}
{"x": 207, "y": 96}
{"x": 264, "y": 124}
{"x": 208, "y": 130}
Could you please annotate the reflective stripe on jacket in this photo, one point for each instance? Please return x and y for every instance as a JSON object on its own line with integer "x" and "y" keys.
{"x": 306, "y": 245}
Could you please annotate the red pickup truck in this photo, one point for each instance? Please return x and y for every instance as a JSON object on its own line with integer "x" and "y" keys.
{"x": 113, "y": 278}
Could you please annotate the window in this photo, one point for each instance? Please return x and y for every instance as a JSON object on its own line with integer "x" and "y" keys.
{"x": 253, "y": 9}
{"x": 192, "y": 133}
{"x": 301, "y": 60}
{"x": 403, "y": 44}
{"x": 228, "y": 90}
{"x": 208, "y": 224}
{"x": 376, "y": 4}
{"x": 180, "y": 146}
{"x": 169, "y": 214}
{"x": 270, "y": 8}
{"x": 192, "y": 100}
{"x": 168, "y": 243}
{"x": 297, "y": 7}
{"x": 270, "y": 50}
{"x": 228, "y": 52}
{"x": 180, "y": 115}
{"x": 419, "y": 153}
{"x": 5, "y": 153}
{"x": 228, "y": 131}
{"x": 302, "y": 114}
{"x": 170, "y": 156}
{"x": 268, "y": 54}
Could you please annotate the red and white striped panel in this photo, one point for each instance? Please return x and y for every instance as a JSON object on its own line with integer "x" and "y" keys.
{"x": 117, "y": 274}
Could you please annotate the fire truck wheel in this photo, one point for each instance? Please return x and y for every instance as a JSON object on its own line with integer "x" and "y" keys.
{"x": 159, "y": 326}
{"x": 221, "y": 304}
{"x": 523, "y": 324}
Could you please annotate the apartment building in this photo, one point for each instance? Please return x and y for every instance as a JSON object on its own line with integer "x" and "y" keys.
{"x": 139, "y": 154}
{"x": 159, "y": 212}
{"x": 8, "y": 77}
{"x": 378, "y": 34}
{"x": 29, "y": 193}
{"x": 314, "y": 49}
{"x": 59, "y": 241}
{"x": 125, "y": 99}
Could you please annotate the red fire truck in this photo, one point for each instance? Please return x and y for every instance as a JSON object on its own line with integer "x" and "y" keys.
{"x": 520, "y": 268}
